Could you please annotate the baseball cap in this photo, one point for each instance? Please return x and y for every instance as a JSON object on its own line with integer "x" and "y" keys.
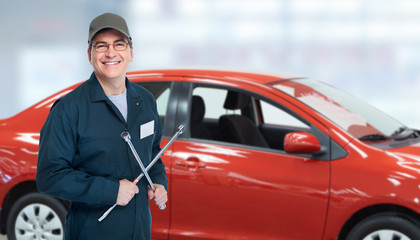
{"x": 108, "y": 20}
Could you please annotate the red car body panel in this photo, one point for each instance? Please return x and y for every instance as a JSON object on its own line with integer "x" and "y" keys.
{"x": 376, "y": 179}
{"x": 219, "y": 191}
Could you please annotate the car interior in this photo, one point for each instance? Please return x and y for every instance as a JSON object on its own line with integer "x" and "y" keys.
{"x": 197, "y": 128}
{"x": 242, "y": 121}
{"x": 239, "y": 128}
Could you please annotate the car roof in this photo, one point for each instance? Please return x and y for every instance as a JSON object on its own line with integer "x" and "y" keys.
{"x": 262, "y": 77}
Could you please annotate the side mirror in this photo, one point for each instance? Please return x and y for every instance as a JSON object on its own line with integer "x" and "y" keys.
{"x": 301, "y": 142}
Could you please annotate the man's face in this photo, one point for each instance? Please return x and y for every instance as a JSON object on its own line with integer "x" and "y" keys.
{"x": 111, "y": 64}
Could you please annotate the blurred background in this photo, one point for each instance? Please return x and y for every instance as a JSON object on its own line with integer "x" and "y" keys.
{"x": 370, "y": 48}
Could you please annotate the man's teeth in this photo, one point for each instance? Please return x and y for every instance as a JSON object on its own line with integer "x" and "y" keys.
{"x": 111, "y": 63}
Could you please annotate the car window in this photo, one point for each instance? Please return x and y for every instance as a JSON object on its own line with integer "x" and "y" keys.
{"x": 248, "y": 120}
{"x": 161, "y": 92}
{"x": 276, "y": 116}
{"x": 162, "y": 102}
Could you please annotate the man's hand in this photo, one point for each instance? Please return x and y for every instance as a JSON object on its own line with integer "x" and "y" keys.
{"x": 126, "y": 192}
{"x": 159, "y": 196}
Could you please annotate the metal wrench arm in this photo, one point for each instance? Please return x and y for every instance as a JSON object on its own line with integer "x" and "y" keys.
{"x": 143, "y": 169}
{"x": 126, "y": 136}
{"x": 160, "y": 153}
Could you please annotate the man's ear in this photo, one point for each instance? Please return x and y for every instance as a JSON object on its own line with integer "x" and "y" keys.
{"x": 89, "y": 55}
{"x": 132, "y": 55}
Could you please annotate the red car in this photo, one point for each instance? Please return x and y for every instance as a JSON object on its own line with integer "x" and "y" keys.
{"x": 263, "y": 157}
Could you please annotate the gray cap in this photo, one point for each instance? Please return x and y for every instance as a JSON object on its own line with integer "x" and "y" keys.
{"x": 108, "y": 20}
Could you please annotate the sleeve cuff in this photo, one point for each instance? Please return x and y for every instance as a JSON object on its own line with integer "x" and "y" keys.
{"x": 110, "y": 192}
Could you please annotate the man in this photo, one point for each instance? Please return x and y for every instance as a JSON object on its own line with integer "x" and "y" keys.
{"x": 82, "y": 157}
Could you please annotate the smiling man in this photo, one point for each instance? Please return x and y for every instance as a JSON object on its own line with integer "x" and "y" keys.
{"x": 82, "y": 157}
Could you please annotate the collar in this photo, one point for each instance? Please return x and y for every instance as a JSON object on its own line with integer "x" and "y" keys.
{"x": 97, "y": 93}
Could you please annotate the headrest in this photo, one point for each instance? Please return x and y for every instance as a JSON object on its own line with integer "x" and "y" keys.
{"x": 236, "y": 100}
{"x": 197, "y": 109}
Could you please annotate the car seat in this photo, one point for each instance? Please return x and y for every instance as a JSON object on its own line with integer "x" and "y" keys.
{"x": 237, "y": 128}
{"x": 197, "y": 127}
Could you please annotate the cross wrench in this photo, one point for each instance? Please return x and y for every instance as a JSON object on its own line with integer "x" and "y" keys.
{"x": 179, "y": 132}
{"x": 127, "y": 138}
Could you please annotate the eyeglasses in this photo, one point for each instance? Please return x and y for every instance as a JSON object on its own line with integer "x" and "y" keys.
{"x": 103, "y": 47}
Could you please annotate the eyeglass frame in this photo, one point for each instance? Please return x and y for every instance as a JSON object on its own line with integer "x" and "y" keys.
{"x": 113, "y": 45}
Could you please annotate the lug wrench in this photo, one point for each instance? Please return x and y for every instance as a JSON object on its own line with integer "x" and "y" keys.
{"x": 144, "y": 173}
{"x": 127, "y": 138}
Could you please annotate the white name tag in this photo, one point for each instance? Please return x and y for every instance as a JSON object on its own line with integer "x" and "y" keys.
{"x": 147, "y": 129}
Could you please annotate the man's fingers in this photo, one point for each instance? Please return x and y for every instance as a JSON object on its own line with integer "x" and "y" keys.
{"x": 161, "y": 199}
{"x": 126, "y": 192}
{"x": 159, "y": 196}
{"x": 150, "y": 193}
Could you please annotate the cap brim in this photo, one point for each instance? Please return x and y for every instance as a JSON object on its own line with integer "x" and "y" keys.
{"x": 110, "y": 27}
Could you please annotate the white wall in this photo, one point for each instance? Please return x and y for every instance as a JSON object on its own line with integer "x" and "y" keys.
{"x": 370, "y": 48}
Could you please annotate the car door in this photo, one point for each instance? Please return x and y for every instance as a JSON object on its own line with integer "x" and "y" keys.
{"x": 224, "y": 190}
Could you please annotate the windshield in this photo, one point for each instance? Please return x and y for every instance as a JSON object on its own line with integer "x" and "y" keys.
{"x": 351, "y": 114}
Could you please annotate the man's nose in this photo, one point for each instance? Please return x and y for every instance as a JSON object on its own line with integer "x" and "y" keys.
{"x": 111, "y": 51}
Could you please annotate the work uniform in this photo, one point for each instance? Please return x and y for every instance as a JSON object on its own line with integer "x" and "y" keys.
{"x": 82, "y": 157}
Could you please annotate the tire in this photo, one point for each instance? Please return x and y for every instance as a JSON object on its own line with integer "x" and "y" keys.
{"x": 385, "y": 226}
{"x": 36, "y": 216}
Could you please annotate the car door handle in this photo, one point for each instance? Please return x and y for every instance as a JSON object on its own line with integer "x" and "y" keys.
{"x": 192, "y": 162}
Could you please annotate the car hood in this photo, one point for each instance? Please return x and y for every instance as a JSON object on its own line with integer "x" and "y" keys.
{"x": 409, "y": 154}
{"x": 411, "y": 150}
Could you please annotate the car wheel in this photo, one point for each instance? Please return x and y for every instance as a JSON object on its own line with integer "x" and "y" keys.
{"x": 36, "y": 216}
{"x": 386, "y": 226}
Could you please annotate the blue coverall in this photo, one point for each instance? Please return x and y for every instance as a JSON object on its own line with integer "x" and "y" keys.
{"x": 82, "y": 157}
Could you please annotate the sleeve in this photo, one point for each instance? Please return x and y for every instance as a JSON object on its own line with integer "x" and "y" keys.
{"x": 55, "y": 175}
{"x": 157, "y": 172}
